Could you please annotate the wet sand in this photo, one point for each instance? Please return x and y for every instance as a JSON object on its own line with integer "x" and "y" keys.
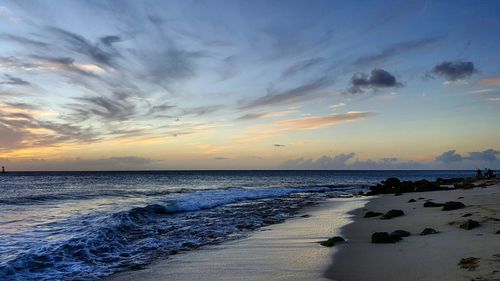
{"x": 287, "y": 251}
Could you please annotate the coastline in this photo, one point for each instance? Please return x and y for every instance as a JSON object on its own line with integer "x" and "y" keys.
{"x": 285, "y": 251}
{"x": 429, "y": 257}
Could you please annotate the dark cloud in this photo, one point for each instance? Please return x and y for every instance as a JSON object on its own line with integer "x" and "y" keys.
{"x": 22, "y": 105}
{"x": 23, "y": 40}
{"x": 118, "y": 107}
{"x": 170, "y": 65}
{"x": 449, "y": 156}
{"x": 11, "y": 80}
{"x": 378, "y": 78}
{"x": 302, "y": 66}
{"x": 394, "y": 50}
{"x": 202, "y": 110}
{"x": 455, "y": 70}
{"x": 346, "y": 161}
{"x": 279, "y": 145}
{"x": 110, "y": 40}
{"x": 303, "y": 92}
{"x": 84, "y": 46}
{"x": 488, "y": 155}
{"x": 221, "y": 158}
{"x": 251, "y": 116}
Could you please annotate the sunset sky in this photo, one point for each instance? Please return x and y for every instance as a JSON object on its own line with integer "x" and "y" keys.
{"x": 113, "y": 85}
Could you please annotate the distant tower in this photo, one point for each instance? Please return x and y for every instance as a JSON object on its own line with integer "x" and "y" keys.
{"x": 3, "y": 169}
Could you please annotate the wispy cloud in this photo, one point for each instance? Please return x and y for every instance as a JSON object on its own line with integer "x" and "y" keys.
{"x": 396, "y": 49}
{"x": 302, "y": 65}
{"x": 308, "y": 91}
{"x": 259, "y": 132}
{"x": 266, "y": 114}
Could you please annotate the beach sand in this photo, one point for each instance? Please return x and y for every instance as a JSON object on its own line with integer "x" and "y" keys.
{"x": 287, "y": 251}
{"x": 430, "y": 257}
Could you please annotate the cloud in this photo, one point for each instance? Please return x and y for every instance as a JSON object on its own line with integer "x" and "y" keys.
{"x": 301, "y": 66}
{"x": 316, "y": 122}
{"x": 270, "y": 114}
{"x": 83, "y": 46}
{"x": 490, "y": 81}
{"x": 11, "y": 80}
{"x": 23, "y": 40}
{"x": 474, "y": 159}
{"x": 454, "y": 70}
{"x": 117, "y": 107}
{"x": 346, "y": 161}
{"x": 81, "y": 164}
{"x": 396, "y": 49}
{"x": 489, "y": 155}
{"x": 24, "y": 130}
{"x": 220, "y": 158}
{"x": 303, "y": 92}
{"x": 378, "y": 78}
{"x": 337, "y": 105}
{"x": 449, "y": 156}
{"x": 259, "y": 132}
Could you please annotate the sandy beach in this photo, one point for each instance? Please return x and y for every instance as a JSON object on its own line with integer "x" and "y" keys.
{"x": 429, "y": 257}
{"x": 289, "y": 251}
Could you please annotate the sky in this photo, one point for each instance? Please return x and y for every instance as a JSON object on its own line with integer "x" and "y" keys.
{"x": 140, "y": 85}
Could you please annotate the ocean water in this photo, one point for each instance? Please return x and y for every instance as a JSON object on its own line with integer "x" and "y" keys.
{"x": 83, "y": 226}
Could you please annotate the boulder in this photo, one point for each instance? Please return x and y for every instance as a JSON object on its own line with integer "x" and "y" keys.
{"x": 470, "y": 224}
{"x": 453, "y": 205}
{"x": 392, "y": 214}
{"x": 428, "y": 231}
{"x": 400, "y": 233}
{"x": 467, "y": 215}
{"x": 412, "y": 200}
{"x": 332, "y": 241}
{"x": 384, "y": 237}
{"x": 398, "y": 194}
{"x": 371, "y": 214}
{"x": 430, "y": 204}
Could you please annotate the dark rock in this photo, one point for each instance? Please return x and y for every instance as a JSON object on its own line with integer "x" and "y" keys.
{"x": 461, "y": 197}
{"x": 384, "y": 237}
{"x": 428, "y": 231}
{"x": 371, "y": 214}
{"x": 464, "y": 185}
{"x": 392, "y": 214}
{"x": 470, "y": 263}
{"x": 498, "y": 232}
{"x": 400, "y": 233}
{"x": 392, "y": 182}
{"x": 398, "y": 194}
{"x": 467, "y": 215}
{"x": 470, "y": 224}
{"x": 453, "y": 205}
{"x": 430, "y": 204}
{"x": 421, "y": 198}
{"x": 451, "y": 181}
{"x": 332, "y": 241}
{"x": 305, "y": 216}
{"x": 412, "y": 200}
{"x": 425, "y": 185}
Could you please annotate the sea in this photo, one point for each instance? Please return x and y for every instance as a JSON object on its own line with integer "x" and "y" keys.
{"x": 87, "y": 225}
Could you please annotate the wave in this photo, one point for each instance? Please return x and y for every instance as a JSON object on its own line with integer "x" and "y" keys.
{"x": 99, "y": 246}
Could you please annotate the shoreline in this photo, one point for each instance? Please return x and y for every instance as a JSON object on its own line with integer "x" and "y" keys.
{"x": 417, "y": 257}
{"x": 285, "y": 251}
